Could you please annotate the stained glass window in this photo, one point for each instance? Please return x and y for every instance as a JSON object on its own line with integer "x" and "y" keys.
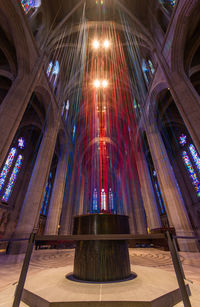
{"x": 49, "y": 69}
{"x": 191, "y": 172}
{"x": 158, "y": 193}
{"x": 56, "y": 68}
{"x": 67, "y": 109}
{"x": 74, "y": 131}
{"x": 13, "y": 178}
{"x": 103, "y": 200}
{"x": 99, "y": 1}
{"x": 27, "y": 5}
{"x": 172, "y": 2}
{"x": 95, "y": 200}
{"x": 145, "y": 70}
{"x": 111, "y": 202}
{"x": 7, "y": 166}
{"x": 144, "y": 66}
{"x": 36, "y": 3}
{"x": 11, "y": 169}
{"x": 195, "y": 156}
{"x": 151, "y": 66}
{"x": 46, "y": 195}
{"x": 159, "y": 198}
{"x": 21, "y": 143}
{"x": 47, "y": 198}
{"x": 55, "y": 72}
{"x": 182, "y": 139}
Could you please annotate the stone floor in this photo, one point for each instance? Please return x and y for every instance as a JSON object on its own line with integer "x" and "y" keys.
{"x": 45, "y": 259}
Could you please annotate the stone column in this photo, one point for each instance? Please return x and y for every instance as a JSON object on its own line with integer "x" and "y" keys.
{"x": 152, "y": 214}
{"x": 127, "y": 206}
{"x": 174, "y": 204}
{"x": 137, "y": 201}
{"x": 67, "y": 212}
{"x": 34, "y": 196}
{"x": 81, "y": 198}
{"x": 57, "y": 196}
{"x": 14, "y": 105}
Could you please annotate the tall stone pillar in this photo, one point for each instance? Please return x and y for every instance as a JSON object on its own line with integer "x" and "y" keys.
{"x": 127, "y": 206}
{"x": 14, "y": 105}
{"x": 30, "y": 211}
{"x": 57, "y": 196}
{"x": 67, "y": 212}
{"x": 152, "y": 214}
{"x": 174, "y": 204}
{"x": 138, "y": 205}
{"x": 81, "y": 198}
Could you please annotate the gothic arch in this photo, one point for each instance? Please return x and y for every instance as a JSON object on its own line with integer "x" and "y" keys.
{"x": 180, "y": 33}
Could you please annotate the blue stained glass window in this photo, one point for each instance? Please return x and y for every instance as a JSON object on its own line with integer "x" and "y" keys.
{"x": 55, "y": 72}
{"x": 151, "y": 66}
{"x": 43, "y": 203}
{"x": 111, "y": 202}
{"x": 145, "y": 70}
{"x": 56, "y": 68}
{"x": 13, "y": 178}
{"x": 36, "y": 3}
{"x": 7, "y": 166}
{"x": 159, "y": 198}
{"x": 46, "y": 195}
{"x": 195, "y": 156}
{"x": 73, "y": 133}
{"x": 158, "y": 193}
{"x": 172, "y": 2}
{"x": 191, "y": 172}
{"x": 144, "y": 66}
{"x": 47, "y": 198}
{"x": 21, "y": 143}
{"x": 95, "y": 200}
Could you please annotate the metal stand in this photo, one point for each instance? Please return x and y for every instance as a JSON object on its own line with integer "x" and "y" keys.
{"x": 172, "y": 247}
{"x": 179, "y": 271}
{"x": 22, "y": 278}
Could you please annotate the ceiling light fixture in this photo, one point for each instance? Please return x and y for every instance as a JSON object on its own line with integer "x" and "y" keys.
{"x": 95, "y": 44}
{"x": 106, "y": 44}
{"x": 97, "y": 83}
{"x": 104, "y": 83}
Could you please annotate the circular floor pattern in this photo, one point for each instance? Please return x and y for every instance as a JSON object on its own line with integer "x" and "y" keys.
{"x": 59, "y": 258}
{"x": 52, "y": 259}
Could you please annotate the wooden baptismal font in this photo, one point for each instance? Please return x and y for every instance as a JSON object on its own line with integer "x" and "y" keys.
{"x": 101, "y": 260}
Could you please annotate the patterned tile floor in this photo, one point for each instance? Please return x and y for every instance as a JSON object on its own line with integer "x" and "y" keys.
{"x": 148, "y": 257}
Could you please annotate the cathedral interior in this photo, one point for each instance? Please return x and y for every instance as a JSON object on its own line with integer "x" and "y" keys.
{"x": 99, "y": 115}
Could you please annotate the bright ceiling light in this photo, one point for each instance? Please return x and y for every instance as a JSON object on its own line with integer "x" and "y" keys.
{"x": 106, "y": 44}
{"x": 95, "y": 44}
{"x": 97, "y": 83}
{"x": 104, "y": 83}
